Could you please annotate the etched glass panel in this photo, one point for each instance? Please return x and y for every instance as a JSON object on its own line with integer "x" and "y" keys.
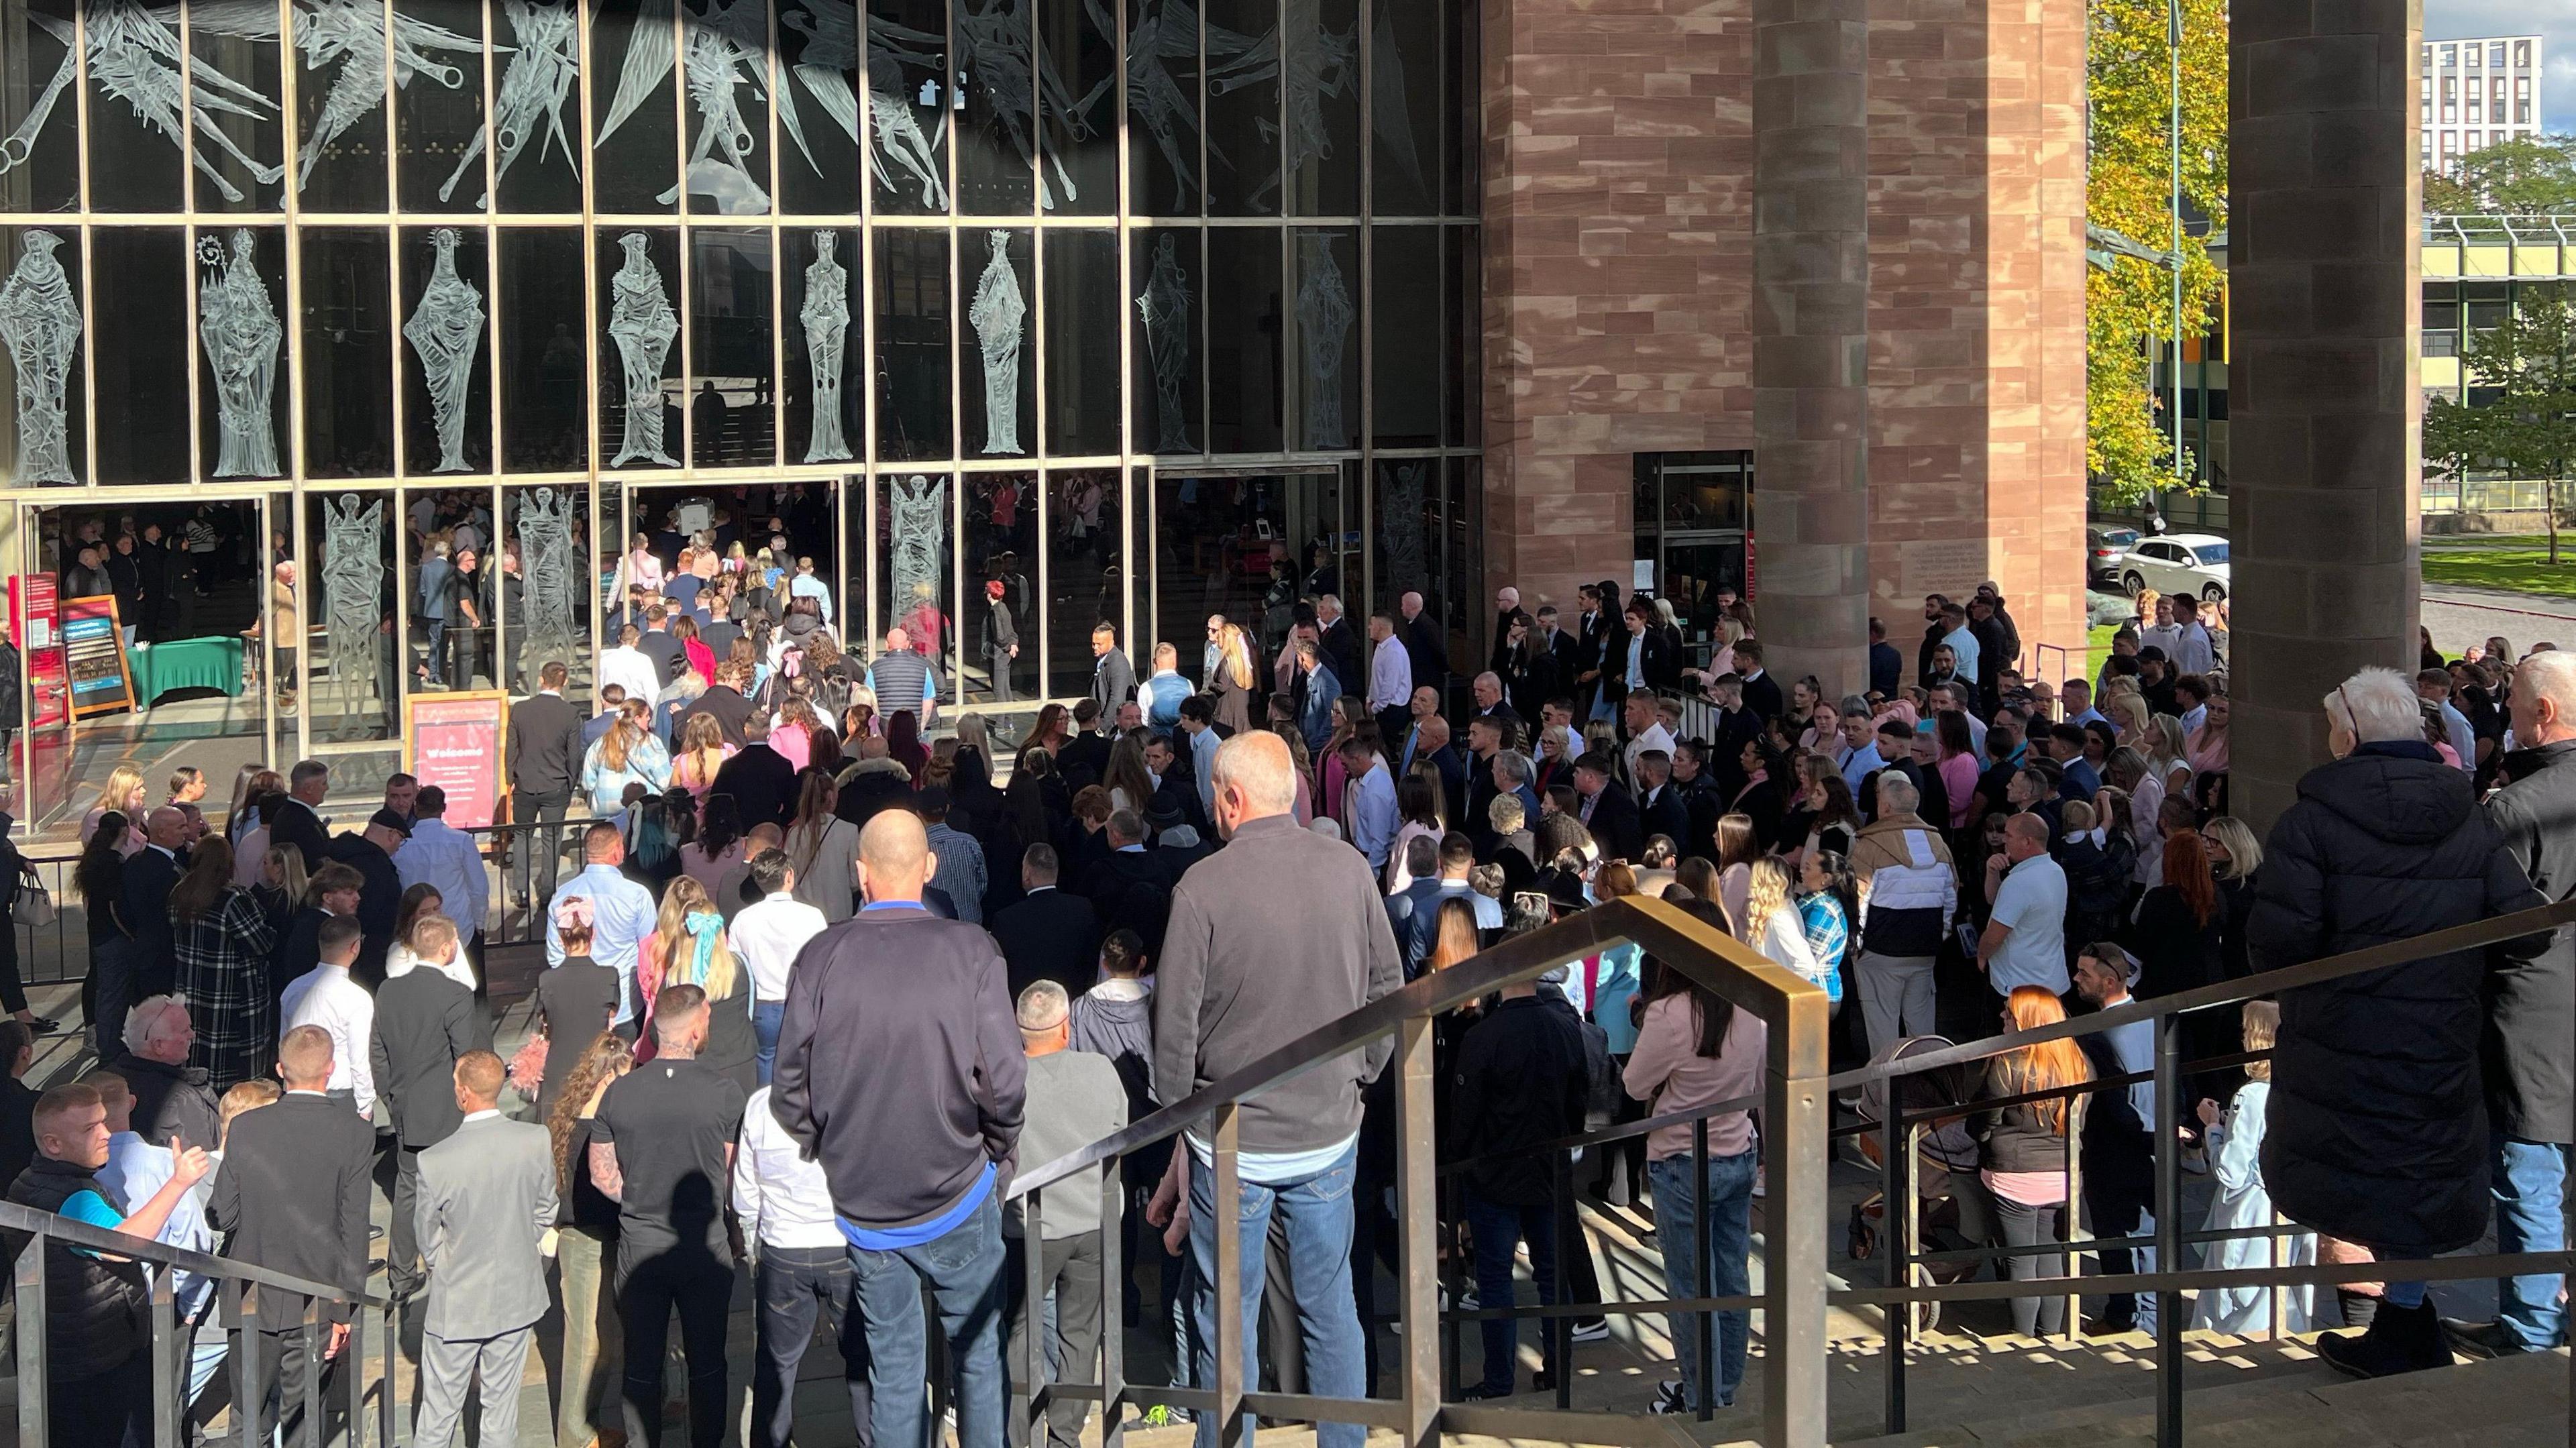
{"x": 1407, "y": 513}
{"x": 544, "y": 369}
{"x": 1328, "y": 377}
{"x": 1078, "y": 102}
{"x": 1246, "y": 323}
{"x": 1003, "y": 523}
{"x": 149, "y": 266}
{"x": 909, "y": 111}
{"x": 40, "y": 160}
{"x": 243, "y": 423}
{"x": 1243, "y": 138}
{"x": 136, "y": 110}
{"x": 447, "y": 359}
{"x": 996, "y": 376}
{"x": 236, "y": 77}
{"x": 40, "y": 333}
{"x": 341, "y": 64}
{"x": 1165, "y": 288}
{"x": 915, "y": 571}
{"x": 1086, "y": 575}
{"x": 545, "y": 585}
{"x": 823, "y": 290}
{"x": 1404, "y": 108}
{"x": 346, "y": 590}
{"x": 535, "y": 136}
{"x": 913, "y": 317}
{"x": 639, "y": 366}
{"x": 733, "y": 396}
{"x": 635, "y": 137}
{"x": 996, "y": 125}
{"x": 1163, "y": 134}
{"x": 818, "y": 110}
{"x": 1321, "y": 60}
{"x": 349, "y": 338}
{"x": 1082, "y": 319}
{"x": 1405, "y": 335}
{"x": 438, "y": 128}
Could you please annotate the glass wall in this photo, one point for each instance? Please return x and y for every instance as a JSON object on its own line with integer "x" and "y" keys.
{"x": 904, "y": 261}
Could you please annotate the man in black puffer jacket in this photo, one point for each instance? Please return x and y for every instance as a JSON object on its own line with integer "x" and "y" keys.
{"x": 2377, "y": 1131}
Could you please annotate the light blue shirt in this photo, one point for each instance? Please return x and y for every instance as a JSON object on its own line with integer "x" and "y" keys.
{"x": 2032, "y": 902}
{"x": 1964, "y": 647}
{"x": 806, "y": 585}
{"x": 2135, "y": 1045}
{"x": 1374, "y": 816}
{"x": 621, "y": 916}
{"x": 1203, "y": 747}
{"x": 1390, "y": 676}
{"x": 1489, "y": 911}
{"x": 1860, "y": 764}
{"x": 135, "y": 1170}
{"x": 444, "y": 858}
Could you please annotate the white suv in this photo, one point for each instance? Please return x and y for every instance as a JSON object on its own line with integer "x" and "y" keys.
{"x": 2192, "y": 563}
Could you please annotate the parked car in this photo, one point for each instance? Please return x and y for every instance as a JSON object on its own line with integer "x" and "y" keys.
{"x": 2104, "y": 548}
{"x": 2193, "y": 563}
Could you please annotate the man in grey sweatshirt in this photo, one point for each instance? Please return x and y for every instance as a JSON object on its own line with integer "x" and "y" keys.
{"x": 1075, "y": 1098}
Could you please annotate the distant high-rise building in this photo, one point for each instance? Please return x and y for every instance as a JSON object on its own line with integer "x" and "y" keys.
{"x": 2478, "y": 93}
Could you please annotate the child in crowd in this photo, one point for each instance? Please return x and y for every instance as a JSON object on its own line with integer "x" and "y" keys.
{"x": 2235, "y": 1147}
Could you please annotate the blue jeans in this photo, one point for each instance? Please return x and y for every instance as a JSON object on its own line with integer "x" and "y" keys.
{"x": 963, "y": 1270}
{"x": 2530, "y": 1186}
{"x": 1317, "y": 1212}
{"x": 1728, "y": 1271}
{"x": 765, "y": 1016}
{"x": 1497, "y": 1228}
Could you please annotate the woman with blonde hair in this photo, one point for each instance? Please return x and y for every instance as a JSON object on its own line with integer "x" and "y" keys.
{"x": 703, "y": 751}
{"x": 1737, "y": 848}
{"x": 627, "y": 754}
{"x": 1556, "y": 755}
{"x": 1772, "y": 924}
{"x": 1230, "y": 682}
{"x": 124, "y": 793}
{"x": 1300, "y": 761}
{"x": 281, "y": 884}
{"x": 688, "y": 947}
{"x": 2164, "y": 746}
{"x": 1131, "y": 784}
{"x": 2243, "y": 1204}
{"x": 2022, "y": 1150}
{"x": 2128, "y": 711}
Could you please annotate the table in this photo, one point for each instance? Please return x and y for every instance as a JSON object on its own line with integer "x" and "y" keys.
{"x": 208, "y": 663}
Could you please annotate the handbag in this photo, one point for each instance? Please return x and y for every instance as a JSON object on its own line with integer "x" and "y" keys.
{"x": 32, "y": 904}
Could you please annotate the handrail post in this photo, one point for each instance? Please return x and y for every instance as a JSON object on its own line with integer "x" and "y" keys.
{"x": 1893, "y": 1270}
{"x": 1026, "y": 1400}
{"x": 2076, "y": 1235}
{"x": 1225, "y": 1333}
{"x": 2168, "y": 1229}
{"x": 1113, "y": 1306}
{"x": 32, "y": 1387}
{"x": 242, "y": 1340}
{"x": 1567, "y": 1227}
{"x": 1418, "y": 1217}
{"x": 169, "y": 1366}
{"x": 314, "y": 1362}
{"x": 1796, "y": 1117}
{"x": 1701, "y": 1284}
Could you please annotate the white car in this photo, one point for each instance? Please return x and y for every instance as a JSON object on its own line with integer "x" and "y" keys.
{"x": 2192, "y": 563}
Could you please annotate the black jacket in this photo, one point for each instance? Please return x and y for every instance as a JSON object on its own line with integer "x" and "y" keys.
{"x": 1615, "y": 824}
{"x": 17, "y": 1127}
{"x": 1051, "y": 935}
{"x": 2531, "y": 1002}
{"x": 1426, "y": 648}
{"x": 293, "y": 1193}
{"x": 762, "y": 783}
{"x": 424, "y": 1022}
{"x": 545, "y": 747}
{"x": 1665, "y": 814}
{"x": 2377, "y": 1127}
{"x": 378, "y": 902}
{"x": 1520, "y": 1077}
{"x": 149, "y": 874}
{"x": 292, "y": 822}
{"x": 1084, "y": 758}
{"x": 1763, "y": 700}
{"x": 1132, "y": 890}
{"x": 731, "y": 709}
{"x": 170, "y": 1099}
{"x": 2016, "y": 1138}
{"x": 1340, "y": 646}
{"x": 896, "y": 1005}
{"x": 97, "y": 1313}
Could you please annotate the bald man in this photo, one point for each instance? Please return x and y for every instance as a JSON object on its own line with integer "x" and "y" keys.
{"x": 2025, "y": 939}
{"x": 896, "y": 1005}
{"x": 149, "y": 875}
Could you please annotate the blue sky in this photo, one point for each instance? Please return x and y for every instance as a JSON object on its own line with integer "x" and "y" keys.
{"x": 2553, "y": 20}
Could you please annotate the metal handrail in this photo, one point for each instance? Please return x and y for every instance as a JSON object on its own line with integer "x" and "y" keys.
{"x": 17, "y": 1218}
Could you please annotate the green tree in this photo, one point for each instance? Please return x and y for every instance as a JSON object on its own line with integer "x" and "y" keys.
{"x": 2527, "y": 365}
{"x": 2525, "y": 176}
{"x": 2129, "y": 301}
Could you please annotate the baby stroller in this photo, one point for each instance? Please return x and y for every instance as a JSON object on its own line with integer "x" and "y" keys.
{"x": 1952, "y": 1211}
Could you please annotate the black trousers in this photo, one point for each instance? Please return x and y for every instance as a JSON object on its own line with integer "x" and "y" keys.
{"x": 112, "y": 1409}
{"x": 277, "y": 1359}
{"x": 2116, "y": 1194}
{"x": 796, "y": 1284}
{"x": 700, "y": 1284}
{"x": 539, "y": 856}
{"x": 1069, "y": 1270}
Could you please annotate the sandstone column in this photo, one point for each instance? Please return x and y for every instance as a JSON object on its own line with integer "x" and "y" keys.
{"x": 1810, "y": 337}
{"x": 2325, "y": 425}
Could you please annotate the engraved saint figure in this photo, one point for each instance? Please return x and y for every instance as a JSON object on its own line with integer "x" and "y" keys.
{"x": 999, "y": 313}
{"x": 920, "y": 533}
{"x": 1164, "y": 308}
{"x": 353, "y": 581}
{"x": 642, "y": 324}
{"x": 446, "y": 329}
{"x": 41, "y": 322}
{"x": 1324, "y": 317}
{"x": 239, "y": 327}
{"x": 827, "y": 328}
{"x": 552, "y": 582}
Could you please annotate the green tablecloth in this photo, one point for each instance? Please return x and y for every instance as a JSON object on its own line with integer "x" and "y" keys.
{"x": 214, "y": 663}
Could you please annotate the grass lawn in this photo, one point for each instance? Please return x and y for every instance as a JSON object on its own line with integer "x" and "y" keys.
{"x": 2097, "y": 647}
{"x": 2519, "y": 564}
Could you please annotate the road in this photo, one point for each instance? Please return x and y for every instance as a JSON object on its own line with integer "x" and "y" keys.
{"x": 2460, "y": 617}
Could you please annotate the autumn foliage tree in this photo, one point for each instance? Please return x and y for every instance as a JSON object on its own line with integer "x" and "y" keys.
{"x": 2129, "y": 303}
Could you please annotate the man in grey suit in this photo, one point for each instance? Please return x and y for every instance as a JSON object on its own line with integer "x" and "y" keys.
{"x": 487, "y": 1200}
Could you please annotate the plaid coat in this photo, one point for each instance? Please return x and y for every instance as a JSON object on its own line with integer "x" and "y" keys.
{"x": 224, "y": 972}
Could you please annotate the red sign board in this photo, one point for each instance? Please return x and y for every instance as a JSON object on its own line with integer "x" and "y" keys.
{"x": 456, "y": 741}
{"x": 34, "y": 621}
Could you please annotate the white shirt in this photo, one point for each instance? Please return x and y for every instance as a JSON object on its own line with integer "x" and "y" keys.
{"x": 2165, "y": 636}
{"x": 445, "y": 859}
{"x": 2192, "y": 652}
{"x": 781, "y": 1197}
{"x": 1656, "y": 736}
{"x": 1390, "y": 676}
{"x": 325, "y": 996}
{"x": 2032, "y": 903}
{"x": 766, "y": 936}
{"x": 400, "y": 961}
{"x": 1962, "y": 644}
{"x": 622, "y": 665}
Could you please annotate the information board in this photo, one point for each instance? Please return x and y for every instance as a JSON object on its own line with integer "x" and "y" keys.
{"x": 456, "y": 741}
{"x": 94, "y": 657}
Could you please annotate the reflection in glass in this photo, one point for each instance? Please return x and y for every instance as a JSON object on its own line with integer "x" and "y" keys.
{"x": 1404, "y": 336}
{"x": 1462, "y": 298}
{"x": 348, "y": 383}
{"x": 732, "y": 418}
{"x": 544, "y": 374}
{"x": 1079, "y": 50}
{"x": 912, "y": 326}
{"x": 1329, "y": 387}
{"x": 907, "y": 105}
{"x": 1408, "y": 495}
{"x": 1164, "y": 270}
{"x": 913, "y": 562}
{"x": 438, "y": 129}
{"x": 633, "y": 161}
{"x": 818, "y": 111}
{"x": 1243, "y": 107}
{"x": 40, "y": 168}
{"x": 1002, "y": 529}
{"x": 135, "y": 359}
{"x": 1321, "y": 55}
{"x": 996, "y": 132}
{"x": 819, "y": 353}
{"x": 537, "y": 80}
{"x": 448, "y": 414}
{"x": 1000, "y": 395}
{"x": 242, "y": 415}
{"x": 1163, "y": 106}
{"x": 545, "y": 594}
{"x": 1086, "y": 574}
{"x": 1245, "y": 325}
{"x": 346, "y": 592}
{"x": 1082, "y": 342}
{"x": 638, "y": 421}
{"x": 40, "y": 323}
{"x": 1404, "y": 107}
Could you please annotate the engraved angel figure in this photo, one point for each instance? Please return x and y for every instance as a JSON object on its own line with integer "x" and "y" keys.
{"x": 920, "y": 529}
{"x": 239, "y": 327}
{"x": 1324, "y": 317}
{"x": 642, "y": 324}
{"x": 446, "y": 329}
{"x": 1164, "y": 308}
{"x": 353, "y": 580}
{"x": 41, "y": 323}
{"x": 999, "y": 312}
{"x": 534, "y": 87}
{"x": 827, "y": 327}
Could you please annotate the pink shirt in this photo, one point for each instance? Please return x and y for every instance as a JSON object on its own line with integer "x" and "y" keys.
{"x": 1666, "y": 1070}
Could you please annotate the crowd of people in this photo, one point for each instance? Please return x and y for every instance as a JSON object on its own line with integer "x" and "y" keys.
{"x": 818, "y": 983}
